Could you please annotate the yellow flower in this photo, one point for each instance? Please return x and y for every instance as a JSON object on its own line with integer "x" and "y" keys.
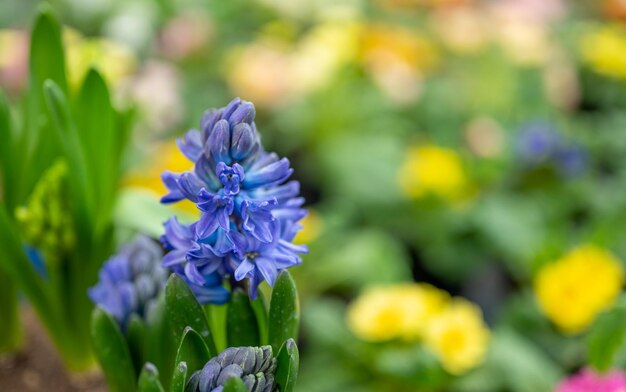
{"x": 400, "y": 311}
{"x": 397, "y": 60}
{"x": 458, "y": 336}
{"x": 311, "y": 227}
{"x": 605, "y": 51}
{"x": 115, "y": 61}
{"x": 166, "y": 156}
{"x": 273, "y": 70}
{"x": 574, "y": 289}
{"x": 432, "y": 169}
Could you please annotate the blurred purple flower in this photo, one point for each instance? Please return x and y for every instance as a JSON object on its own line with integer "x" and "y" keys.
{"x": 131, "y": 280}
{"x": 539, "y": 143}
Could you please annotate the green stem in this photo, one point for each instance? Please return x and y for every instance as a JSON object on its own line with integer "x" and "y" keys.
{"x": 10, "y": 327}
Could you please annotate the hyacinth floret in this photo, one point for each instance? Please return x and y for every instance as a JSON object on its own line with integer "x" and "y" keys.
{"x": 130, "y": 281}
{"x": 249, "y": 209}
{"x": 255, "y": 366}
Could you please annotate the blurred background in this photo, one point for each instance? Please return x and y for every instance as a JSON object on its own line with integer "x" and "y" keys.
{"x": 461, "y": 143}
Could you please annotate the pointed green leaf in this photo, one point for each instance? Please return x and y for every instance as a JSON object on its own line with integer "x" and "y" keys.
{"x": 112, "y": 352}
{"x": 7, "y": 147}
{"x": 80, "y": 183}
{"x": 606, "y": 338}
{"x": 47, "y": 60}
{"x": 135, "y": 337}
{"x": 193, "y": 351}
{"x": 185, "y": 311}
{"x": 284, "y": 316}
{"x": 287, "y": 367}
{"x": 235, "y": 384}
{"x": 242, "y": 328}
{"x": 161, "y": 346}
{"x": 259, "y": 305}
{"x": 149, "y": 379}
{"x": 95, "y": 122}
{"x": 179, "y": 378}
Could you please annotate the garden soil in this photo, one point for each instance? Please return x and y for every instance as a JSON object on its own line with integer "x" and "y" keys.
{"x": 38, "y": 366}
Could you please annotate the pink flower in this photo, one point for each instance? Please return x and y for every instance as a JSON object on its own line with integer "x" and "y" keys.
{"x": 589, "y": 381}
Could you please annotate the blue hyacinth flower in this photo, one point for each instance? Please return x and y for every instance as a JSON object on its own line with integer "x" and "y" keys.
{"x": 130, "y": 281}
{"x": 245, "y": 199}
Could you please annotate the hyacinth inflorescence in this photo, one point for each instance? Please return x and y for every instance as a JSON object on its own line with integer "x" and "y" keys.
{"x": 249, "y": 209}
{"x": 255, "y": 366}
{"x": 130, "y": 281}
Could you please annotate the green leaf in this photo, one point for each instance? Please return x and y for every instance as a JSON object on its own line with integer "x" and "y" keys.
{"x": 38, "y": 144}
{"x": 185, "y": 311}
{"x": 135, "y": 336}
{"x": 234, "y": 384}
{"x": 606, "y": 338}
{"x": 259, "y": 305}
{"x": 161, "y": 346}
{"x": 80, "y": 183}
{"x": 287, "y": 367}
{"x": 179, "y": 378}
{"x": 47, "y": 60}
{"x": 112, "y": 352}
{"x": 242, "y": 328}
{"x": 95, "y": 122}
{"x": 7, "y": 173}
{"x": 284, "y": 315}
{"x": 149, "y": 379}
{"x": 193, "y": 351}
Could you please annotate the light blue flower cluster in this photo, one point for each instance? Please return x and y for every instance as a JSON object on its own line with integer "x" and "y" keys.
{"x": 539, "y": 143}
{"x": 249, "y": 211}
{"x": 130, "y": 281}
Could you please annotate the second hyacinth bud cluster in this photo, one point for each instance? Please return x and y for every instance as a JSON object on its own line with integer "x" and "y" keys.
{"x": 249, "y": 209}
{"x": 255, "y": 366}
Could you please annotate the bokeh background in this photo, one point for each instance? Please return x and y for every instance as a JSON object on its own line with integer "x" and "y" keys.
{"x": 462, "y": 143}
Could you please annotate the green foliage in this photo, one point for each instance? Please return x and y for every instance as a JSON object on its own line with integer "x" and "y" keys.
{"x": 287, "y": 368}
{"x": 606, "y": 338}
{"x": 284, "y": 314}
{"x": 113, "y": 353}
{"x": 149, "y": 379}
{"x": 242, "y": 328}
{"x": 184, "y": 311}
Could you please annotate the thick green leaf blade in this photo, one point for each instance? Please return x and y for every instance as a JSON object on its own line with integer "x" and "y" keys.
{"x": 606, "y": 338}
{"x": 82, "y": 191}
{"x": 193, "y": 351}
{"x": 135, "y": 336}
{"x": 7, "y": 147}
{"x": 149, "y": 379}
{"x": 259, "y": 305}
{"x": 47, "y": 59}
{"x": 112, "y": 352}
{"x": 161, "y": 346}
{"x": 95, "y": 122}
{"x": 179, "y": 378}
{"x": 234, "y": 384}
{"x": 242, "y": 328}
{"x": 284, "y": 316}
{"x": 287, "y": 367}
{"x": 185, "y": 311}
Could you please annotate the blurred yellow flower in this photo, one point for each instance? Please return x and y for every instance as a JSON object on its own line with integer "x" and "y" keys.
{"x": 311, "y": 227}
{"x": 273, "y": 70}
{"x": 165, "y": 156}
{"x": 458, "y": 336}
{"x": 398, "y": 59}
{"x": 604, "y": 49}
{"x": 400, "y": 311}
{"x": 432, "y": 169}
{"x": 574, "y": 289}
{"x": 115, "y": 61}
